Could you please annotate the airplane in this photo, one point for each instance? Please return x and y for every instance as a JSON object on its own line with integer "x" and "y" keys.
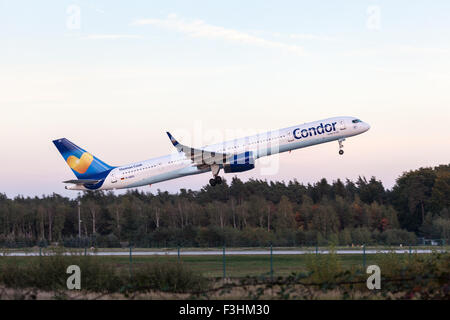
{"x": 233, "y": 156}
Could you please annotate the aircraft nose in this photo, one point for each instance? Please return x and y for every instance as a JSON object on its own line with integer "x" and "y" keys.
{"x": 366, "y": 126}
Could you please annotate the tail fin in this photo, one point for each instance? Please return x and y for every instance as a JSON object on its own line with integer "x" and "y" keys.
{"x": 83, "y": 164}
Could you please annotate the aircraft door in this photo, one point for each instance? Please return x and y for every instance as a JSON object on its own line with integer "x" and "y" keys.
{"x": 113, "y": 178}
{"x": 290, "y": 137}
{"x": 342, "y": 124}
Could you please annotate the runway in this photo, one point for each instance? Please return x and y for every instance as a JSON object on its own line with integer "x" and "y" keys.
{"x": 220, "y": 252}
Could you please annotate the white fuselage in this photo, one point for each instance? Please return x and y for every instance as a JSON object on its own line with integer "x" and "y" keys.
{"x": 178, "y": 165}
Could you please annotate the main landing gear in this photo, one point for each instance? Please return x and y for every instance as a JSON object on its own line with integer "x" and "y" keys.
{"x": 214, "y": 181}
{"x": 341, "y": 152}
{"x": 216, "y": 178}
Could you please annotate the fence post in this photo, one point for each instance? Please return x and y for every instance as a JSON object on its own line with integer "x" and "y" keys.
{"x": 178, "y": 253}
{"x": 364, "y": 256}
{"x": 271, "y": 263}
{"x": 131, "y": 261}
{"x": 40, "y": 251}
{"x": 317, "y": 249}
{"x": 85, "y": 251}
{"x": 224, "y": 263}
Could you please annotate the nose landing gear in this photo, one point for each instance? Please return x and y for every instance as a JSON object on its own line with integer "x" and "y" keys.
{"x": 341, "y": 146}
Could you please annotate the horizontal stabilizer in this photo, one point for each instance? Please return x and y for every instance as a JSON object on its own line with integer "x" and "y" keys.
{"x": 83, "y": 181}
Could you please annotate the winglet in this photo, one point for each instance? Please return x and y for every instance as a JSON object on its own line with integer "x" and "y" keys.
{"x": 172, "y": 139}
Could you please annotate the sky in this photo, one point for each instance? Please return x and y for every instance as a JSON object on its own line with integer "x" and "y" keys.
{"x": 114, "y": 76}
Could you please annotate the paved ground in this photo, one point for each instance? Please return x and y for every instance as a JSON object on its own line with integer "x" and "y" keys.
{"x": 229, "y": 252}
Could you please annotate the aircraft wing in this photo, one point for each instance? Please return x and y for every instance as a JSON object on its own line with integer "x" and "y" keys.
{"x": 83, "y": 181}
{"x": 199, "y": 156}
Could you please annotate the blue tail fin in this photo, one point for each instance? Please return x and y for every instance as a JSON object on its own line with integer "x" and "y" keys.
{"x": 83, "y": 164}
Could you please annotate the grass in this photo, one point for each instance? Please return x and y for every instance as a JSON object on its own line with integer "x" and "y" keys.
{"x": 236, "y": 266}
{"x": 423, "y": 276}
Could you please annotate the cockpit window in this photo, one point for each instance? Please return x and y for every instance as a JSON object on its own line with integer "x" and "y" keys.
{"x": 356, "y": 121}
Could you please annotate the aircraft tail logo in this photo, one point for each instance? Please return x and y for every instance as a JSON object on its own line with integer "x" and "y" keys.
{"x": 80, "y": 165}
{"x": 83, "y": 164}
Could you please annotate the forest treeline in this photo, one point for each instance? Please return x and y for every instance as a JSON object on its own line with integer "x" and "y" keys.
{"x": 236, "y": 213}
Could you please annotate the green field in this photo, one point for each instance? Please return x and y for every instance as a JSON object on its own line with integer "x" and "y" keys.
{"x": 339, "y": 276}
{"x": 211, "y": 266}
{"x": 235, "y": 265}
{"x": 241, "y": 266}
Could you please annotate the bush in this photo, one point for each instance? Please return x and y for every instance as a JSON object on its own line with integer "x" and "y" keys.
{"x": 441, "y": 228}
{"x": 397, "y": 237}
{"x": 75, "y": 242}
{"x": 323, "y": 268}
{"x": 285, "y": 238}
{"x": 361, "y": 236}
{"x": 171, "y": 277}
{"x": 256, "y": 237}
{"x": 345, "y": 237}
{"x": 49, "y": 273}
{"x": 109, "y": 241}
{"x": 210, "y": 237}
{"x": 231, "y": 236}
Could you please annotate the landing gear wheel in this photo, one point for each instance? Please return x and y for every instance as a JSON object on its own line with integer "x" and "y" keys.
{"x": 218, "y": 179}
{"x": 212, "y": 182}
{"x": 341, "y": 152}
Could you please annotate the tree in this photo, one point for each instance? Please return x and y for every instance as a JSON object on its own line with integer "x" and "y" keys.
{"x": 440, "y": 193}
{"x": 441, "y": 228}
{"x": 243, "y": 213}
{"x": 325, "y": 220}
{"x": 411, "y": 197}
{"x": 371, "y": 191}
{"x": 285, "y": 218}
